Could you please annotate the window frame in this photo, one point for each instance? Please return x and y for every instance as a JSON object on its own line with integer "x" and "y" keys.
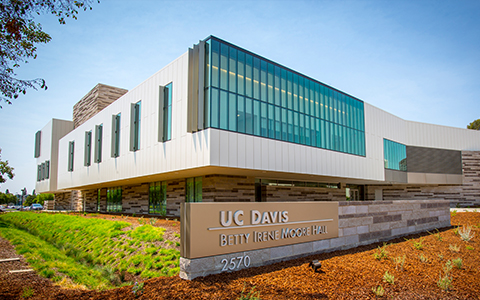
{"x": 135, "y": 120}
{"x": 116, "y": 127}
{"x": 88, "y": 148}
{"x": 38, "y": 143}
{"x": 71, "y": 151}
{"x": 98, "y": 143}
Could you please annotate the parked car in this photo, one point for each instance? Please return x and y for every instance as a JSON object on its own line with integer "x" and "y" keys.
{"x": 36, "y": 206}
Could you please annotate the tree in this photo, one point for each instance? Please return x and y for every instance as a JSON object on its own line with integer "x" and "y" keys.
{"x": 475, "y": 125}
{"x": 19, "y": 35}
{"x": 5, "y": 170}
{"x": 30, "y": 199}
{"x": 7, "y": 198}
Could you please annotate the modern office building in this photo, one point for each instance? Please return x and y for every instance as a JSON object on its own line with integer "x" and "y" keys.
{"x": 221, "y": 123}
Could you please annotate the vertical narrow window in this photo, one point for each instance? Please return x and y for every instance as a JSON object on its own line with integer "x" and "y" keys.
{"x": 114, "y": 199}
{"x": 38, "y": 139}
{"x": 135, "y": 126}
{"x": 167, "y": 112}
{"x": 43, "y": 171}
{"x": 193, "y": 189}
{"x": 88, "y": 148}
{"x": 39, "y": 172}
{"x": 47, "y": 169}
{"x": 98, "y": 143}
{"x": 98, "y": 199}
{"x": 116, "y": 135}
{"x": 71, "y": 149}
{"x": 157, "y": 198}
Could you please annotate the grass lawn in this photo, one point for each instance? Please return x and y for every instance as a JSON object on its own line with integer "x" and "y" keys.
{"x": 91, "y": 252}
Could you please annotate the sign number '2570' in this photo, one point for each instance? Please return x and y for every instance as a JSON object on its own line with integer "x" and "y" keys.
{"x": 236, "y": 263}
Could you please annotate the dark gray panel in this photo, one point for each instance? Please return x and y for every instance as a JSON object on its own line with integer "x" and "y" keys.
{"x": 396, "y": 176}
{"x": 432, "y": 160}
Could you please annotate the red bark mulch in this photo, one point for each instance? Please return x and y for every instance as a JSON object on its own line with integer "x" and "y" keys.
{"x": 347, "y": 274}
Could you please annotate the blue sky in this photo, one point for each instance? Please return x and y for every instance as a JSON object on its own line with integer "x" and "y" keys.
{"x": 419, "y": 60}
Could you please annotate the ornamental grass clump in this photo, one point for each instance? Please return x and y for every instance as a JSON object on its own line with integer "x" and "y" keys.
{"x": 445, "y": 282}
{"x": 418, "y": 244}
{"x": 423, "y": 258}
{"x": 457, "y": 262}
{"x": 399, "y": 262}
{"x": 466, "y": 233}
{"x": 381, "y": 252}
{"x": 454, "y": 248}
{"x": 388, "y": 278}
{"x": 378, "y": 291}
{"x": 252, "y": 295}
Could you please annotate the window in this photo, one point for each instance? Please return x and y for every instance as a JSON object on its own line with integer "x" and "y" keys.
{"x": 114, "y": 199}
{"x": 157, "y": 198}
{"x": 167, "y": 113}
{"x": 39, "y": 172}
{"x": 71, "y": 149}
{"x": 38, "y": 138}
{"x": 43, "y": 171}
{"x": 193, "y": 189}
{"x": 248, "y": 94}
{"x": 395, "y": 155}
{"x": 98, "y": 143}
{"x": 47, "y": 169}
{"x": 135, "y": 127}
{"x": 98, "y": 199}
{"x": 116, "y": 135}
{"x": 88, "y": 148}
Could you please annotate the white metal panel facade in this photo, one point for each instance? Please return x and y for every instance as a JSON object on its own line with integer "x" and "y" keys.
{"x": 183, "y": 151}
{"x": 220, "y": 148}
{"x": 51, "y": 134}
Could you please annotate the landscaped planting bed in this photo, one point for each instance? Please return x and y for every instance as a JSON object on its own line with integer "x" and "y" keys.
{"x": 96, "y": 253}
{"x": 435, "y": 265}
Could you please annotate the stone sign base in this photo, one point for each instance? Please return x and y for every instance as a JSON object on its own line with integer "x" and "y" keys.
{"x": 360, "y": 223}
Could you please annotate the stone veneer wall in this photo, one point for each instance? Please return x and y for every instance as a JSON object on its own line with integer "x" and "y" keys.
{"x": 295, "y": 193}
{"x": 49, "y": 204}
{"x": 63, "y": 201}
{"x": 228, "y": 188}
{"x": 135, "y": 198}
{"x": 94, "y": 101}
{"x": 360, "y": 223}
{"x": 466, "y": 194}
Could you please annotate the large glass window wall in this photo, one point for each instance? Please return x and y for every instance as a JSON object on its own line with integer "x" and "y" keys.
{"x": 395, "y": 155}
{"x": 251, "y": 95}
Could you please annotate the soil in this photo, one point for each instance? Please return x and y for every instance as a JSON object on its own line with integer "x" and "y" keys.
{"x": 347, "y": 274}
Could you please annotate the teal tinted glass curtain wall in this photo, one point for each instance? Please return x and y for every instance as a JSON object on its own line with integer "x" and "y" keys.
{"x": 249, "y": 94}
{"x": 395, "y": 155}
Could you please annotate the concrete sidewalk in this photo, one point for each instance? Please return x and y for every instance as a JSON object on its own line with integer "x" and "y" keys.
{"x": 465, "y": 209}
